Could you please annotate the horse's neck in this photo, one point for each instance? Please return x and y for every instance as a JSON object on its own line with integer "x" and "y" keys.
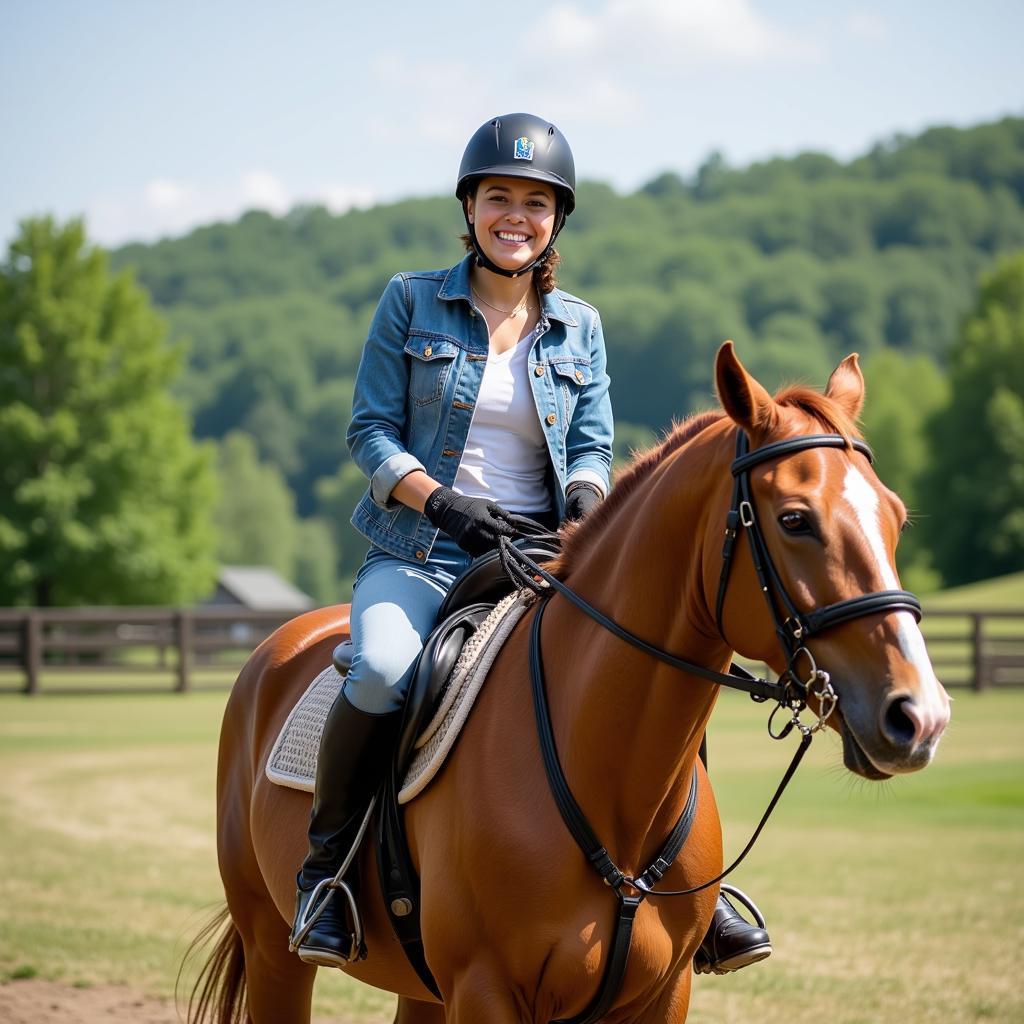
{"x": 627, "y": 726}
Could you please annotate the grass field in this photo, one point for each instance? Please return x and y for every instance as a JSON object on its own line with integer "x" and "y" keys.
{"x": 892, "y": 904}
{"x": 1002, "y": 592}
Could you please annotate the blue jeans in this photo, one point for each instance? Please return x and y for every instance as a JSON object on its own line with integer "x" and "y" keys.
{"x": 394, "y": 608}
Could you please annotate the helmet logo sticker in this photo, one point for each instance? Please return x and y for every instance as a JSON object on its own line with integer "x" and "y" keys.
{"x": 524, "y": 149}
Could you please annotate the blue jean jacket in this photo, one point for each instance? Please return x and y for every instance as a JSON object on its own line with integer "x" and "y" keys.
{"x": 417, "y": 385}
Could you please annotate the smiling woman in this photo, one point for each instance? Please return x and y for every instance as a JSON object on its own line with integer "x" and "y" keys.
{"x": 481, "y": 391}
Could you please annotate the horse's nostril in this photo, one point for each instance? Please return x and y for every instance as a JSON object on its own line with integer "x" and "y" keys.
{"x": 897, "y": 724}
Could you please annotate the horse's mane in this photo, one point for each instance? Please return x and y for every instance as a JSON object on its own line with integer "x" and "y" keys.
{"x": 826, "y": 413}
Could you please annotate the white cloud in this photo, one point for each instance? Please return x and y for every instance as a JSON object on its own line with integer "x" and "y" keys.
{"x": 341, "y": 197}
{"x": 165, "y": 194}
{"x": 869, "y": 26}
{"x": 680, "y": 34}
{"x": 165, "y": 206}
{"x": 260, "y": 190}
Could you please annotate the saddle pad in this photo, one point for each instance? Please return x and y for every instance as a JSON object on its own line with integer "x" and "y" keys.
{"x": 292, "y": 760}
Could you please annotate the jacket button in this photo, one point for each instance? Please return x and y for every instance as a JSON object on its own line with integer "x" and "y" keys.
{"x": 579, "y": 376}
{"x": 539, "y": 371}
{"x": 428, "y": 352}
{"x": 551, "y": 419}
{"x": 420, "y": 555}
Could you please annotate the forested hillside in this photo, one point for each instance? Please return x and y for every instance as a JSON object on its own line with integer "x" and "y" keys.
{"x": 799, "y": 260}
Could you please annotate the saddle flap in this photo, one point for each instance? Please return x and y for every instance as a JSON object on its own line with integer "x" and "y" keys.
{"x": 440, "y": 653}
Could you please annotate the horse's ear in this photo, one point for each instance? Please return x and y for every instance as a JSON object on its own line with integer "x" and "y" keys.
{"x": 748, "y": 404}
{"x": 846, "y": 387}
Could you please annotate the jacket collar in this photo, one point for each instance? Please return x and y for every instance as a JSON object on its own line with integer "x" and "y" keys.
{"x": 456, "y": 286}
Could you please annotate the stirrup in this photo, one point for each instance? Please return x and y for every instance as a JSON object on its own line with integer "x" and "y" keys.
{"x": 327, "y": 887}
{"x": 739, "y": 894}
{"x": 305, "y": 921}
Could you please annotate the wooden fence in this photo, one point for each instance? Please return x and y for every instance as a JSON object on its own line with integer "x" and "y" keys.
{"x": 91, "y": 649}
{"x": 128, "y": 649}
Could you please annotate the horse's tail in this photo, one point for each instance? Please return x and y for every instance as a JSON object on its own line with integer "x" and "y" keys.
{"x": 218, "y": 996}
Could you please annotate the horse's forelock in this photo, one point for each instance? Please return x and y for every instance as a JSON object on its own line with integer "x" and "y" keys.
{"x": 828, "y": 414}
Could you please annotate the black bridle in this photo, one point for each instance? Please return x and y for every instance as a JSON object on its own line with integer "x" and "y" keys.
{"x": 792, "y": 627}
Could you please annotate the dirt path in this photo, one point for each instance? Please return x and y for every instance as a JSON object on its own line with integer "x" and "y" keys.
{"x": 32, "y": 1001}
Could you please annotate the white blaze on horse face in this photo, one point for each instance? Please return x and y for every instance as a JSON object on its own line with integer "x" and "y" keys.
{"x": 931, "y": 713}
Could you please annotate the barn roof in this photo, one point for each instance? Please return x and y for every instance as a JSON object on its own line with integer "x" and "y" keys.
{"x": 261, "y": 588}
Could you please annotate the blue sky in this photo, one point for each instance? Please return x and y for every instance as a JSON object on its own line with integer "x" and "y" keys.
{"x": 152, "y": 117}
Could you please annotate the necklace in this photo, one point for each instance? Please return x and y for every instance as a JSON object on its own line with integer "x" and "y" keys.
{"x": 514, "y": 311}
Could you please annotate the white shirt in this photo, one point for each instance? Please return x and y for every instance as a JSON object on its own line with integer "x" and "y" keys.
{"x": 505, "y": 457}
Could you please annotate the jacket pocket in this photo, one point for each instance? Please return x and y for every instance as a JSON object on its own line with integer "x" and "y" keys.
{"x": 432, "y": 357}
{"x": 572, "y": 375}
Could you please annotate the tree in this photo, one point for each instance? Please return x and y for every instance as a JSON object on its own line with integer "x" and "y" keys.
{"x": 105, "y": 497}
{"x": 974, "y": 488}
{"x": 256, "y": 513}
{"x": 895, "y": 426}
{"x": 316, "y": 563}
{"x": 337, "y": 497}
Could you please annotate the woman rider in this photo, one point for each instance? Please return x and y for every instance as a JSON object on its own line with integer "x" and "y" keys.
{"x": 481, "y": 390}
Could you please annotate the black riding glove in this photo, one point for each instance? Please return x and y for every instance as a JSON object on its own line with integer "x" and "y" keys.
{"x": 580, "y": 498}
{"x": 475, "y": 524}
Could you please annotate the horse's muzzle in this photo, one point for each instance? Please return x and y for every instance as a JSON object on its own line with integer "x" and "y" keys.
{"x": 902, "y": 739}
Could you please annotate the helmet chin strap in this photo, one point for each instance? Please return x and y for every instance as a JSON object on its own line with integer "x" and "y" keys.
{"x": 487, "y": 263}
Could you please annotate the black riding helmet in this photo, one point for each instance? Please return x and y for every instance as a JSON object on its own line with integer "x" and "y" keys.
{"x": 518, "y": 146}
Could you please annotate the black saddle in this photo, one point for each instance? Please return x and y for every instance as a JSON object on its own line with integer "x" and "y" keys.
{"x": 470, "y": 598}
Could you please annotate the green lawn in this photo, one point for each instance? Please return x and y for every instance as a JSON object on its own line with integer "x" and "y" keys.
{"x": 892, "y": 904}
{"x": 1002, "y": 592}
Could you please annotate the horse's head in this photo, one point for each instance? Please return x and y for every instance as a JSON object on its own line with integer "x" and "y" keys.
{"x": 830, "y": 527}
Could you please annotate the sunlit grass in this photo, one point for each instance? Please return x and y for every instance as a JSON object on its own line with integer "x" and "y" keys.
{"x": 894, "y": 904}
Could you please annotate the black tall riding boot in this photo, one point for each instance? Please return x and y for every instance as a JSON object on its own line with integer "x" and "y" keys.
{"x": 355, "y": 751}
{"x": 731, "y": 941}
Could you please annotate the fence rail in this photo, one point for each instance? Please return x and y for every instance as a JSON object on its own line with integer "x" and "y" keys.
{"x": 179, "y": 644}
{"x": 185, "y": 646}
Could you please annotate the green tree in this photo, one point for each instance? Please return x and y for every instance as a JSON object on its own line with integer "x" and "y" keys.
{"x": 256, "y": 513}
{"x": 105, "y": 497}
{"x": 974, "y": 487}
{"x": 896, "y": 427}
{"x": 316, "y": 563}
{"x": 337, "y": 497}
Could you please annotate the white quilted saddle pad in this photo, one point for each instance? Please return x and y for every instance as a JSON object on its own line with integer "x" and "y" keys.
{"x": 292, "y": 760}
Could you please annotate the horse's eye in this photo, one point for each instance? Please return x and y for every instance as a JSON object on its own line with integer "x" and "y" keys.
{"x": 794, "y": 522}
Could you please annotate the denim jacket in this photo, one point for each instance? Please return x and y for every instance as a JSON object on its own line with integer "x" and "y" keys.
{"x": 418, "y": 381}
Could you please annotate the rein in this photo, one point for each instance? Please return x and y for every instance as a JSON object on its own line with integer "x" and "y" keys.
{"x": 790, "y": 693}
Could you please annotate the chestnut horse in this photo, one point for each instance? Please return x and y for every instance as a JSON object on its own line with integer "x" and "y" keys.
{"x": 516, "y": 924}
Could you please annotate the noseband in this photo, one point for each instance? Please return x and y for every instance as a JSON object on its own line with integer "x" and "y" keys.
{"x": 792, "y": 626}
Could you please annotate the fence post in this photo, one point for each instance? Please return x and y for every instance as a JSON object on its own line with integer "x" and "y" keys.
{"x": 33, "y": 652}
{"x": 183, "y": 623}
{"x": 979, "y": 656}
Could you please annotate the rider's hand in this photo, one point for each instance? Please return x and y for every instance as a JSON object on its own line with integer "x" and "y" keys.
{"x": 580, "y": 498}
{"x": 475, "y": 524}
